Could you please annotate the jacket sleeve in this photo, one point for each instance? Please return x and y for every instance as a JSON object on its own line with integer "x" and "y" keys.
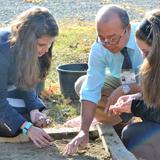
{"x": 9, "y": 117}
{"x": 140, "y": 109}
{"x": 32, "y": 101}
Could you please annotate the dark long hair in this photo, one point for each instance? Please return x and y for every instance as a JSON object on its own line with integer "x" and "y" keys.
{"x": 45, "y": 63}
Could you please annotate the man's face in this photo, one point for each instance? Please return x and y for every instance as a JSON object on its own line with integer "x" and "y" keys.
{"x": 112, "y": 35}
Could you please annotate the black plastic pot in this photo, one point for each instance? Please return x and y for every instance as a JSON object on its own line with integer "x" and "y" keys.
{"x": 68, "y": 74}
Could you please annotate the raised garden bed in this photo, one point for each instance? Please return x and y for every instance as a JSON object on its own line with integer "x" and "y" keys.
{"x": 109, "y": 148}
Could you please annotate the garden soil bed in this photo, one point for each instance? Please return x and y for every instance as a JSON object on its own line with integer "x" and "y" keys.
{"x": 27, "y": 151}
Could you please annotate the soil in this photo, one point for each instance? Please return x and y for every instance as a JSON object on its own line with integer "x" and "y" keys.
{"x": 27, "y": 151}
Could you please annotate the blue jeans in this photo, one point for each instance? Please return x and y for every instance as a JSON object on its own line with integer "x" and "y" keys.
{"x": 143, "y": 139}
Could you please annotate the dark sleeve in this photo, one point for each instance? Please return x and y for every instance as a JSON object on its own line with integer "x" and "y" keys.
{"x": 140, "y": 109}
{"x": 11, "y": 119}
{"x": 32, "y": 101}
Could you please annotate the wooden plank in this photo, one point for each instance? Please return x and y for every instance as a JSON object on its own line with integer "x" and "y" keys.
{"x": 18, "y": 139}
{"x": 56, "y": 133}
{"x": 113, "y": 144}
{"x": 59, "y": 133}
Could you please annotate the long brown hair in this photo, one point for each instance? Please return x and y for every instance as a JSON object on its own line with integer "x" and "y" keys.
{"x": 25, "y": 30}
{"x": 149, "y": 32}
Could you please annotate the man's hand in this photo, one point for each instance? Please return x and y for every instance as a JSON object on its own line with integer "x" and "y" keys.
{"x": 79, "y": 142}
{"x": 39, "y": 119}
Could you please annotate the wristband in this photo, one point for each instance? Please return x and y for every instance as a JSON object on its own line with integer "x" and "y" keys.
{"x": 26, "y": 128}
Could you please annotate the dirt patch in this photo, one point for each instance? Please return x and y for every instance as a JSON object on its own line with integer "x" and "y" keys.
{"x": 27, "y": 151}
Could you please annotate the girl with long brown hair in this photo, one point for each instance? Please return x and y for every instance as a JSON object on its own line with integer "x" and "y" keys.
{"x": 142, "y": 138}
{"x": 25, "y": 59}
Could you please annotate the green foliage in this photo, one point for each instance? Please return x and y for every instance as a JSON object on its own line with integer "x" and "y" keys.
{"x": 74, "y": 42}
{"x": 60, "y": 109}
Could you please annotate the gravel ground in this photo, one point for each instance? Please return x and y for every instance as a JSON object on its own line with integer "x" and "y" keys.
{"x": 79, "y": 9}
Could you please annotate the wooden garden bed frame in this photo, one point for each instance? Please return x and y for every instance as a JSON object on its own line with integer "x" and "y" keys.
{"x": 111, "y": 142}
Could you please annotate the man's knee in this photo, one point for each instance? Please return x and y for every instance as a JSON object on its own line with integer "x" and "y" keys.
{"x": 78, "y": 84}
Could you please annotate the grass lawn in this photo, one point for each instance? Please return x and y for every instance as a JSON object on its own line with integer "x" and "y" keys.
{"x": 72, "y": 46}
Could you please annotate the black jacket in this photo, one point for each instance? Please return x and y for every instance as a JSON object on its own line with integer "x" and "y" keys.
{"x": 8, "y": 115}
{"x": 140, "y": 109}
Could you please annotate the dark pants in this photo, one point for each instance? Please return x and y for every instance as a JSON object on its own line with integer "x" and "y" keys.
{"x": 4, "y": 132}
{"x": 15, "y": 95}
{"x": 143, "y": 139}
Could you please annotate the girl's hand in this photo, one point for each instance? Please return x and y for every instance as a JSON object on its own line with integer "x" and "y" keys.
{"x": 123, "y": 104}
{"x": 39, "y": 137}
{"x": 39, "y": 119}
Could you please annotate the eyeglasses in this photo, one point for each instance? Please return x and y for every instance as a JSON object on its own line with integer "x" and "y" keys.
{"x": 113, "y": 40}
